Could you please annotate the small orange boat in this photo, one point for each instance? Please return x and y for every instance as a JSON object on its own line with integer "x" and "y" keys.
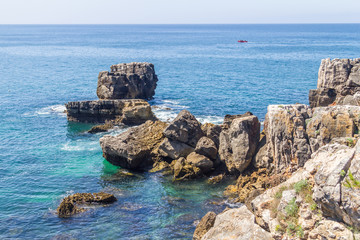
{"x": 242, "y": 41}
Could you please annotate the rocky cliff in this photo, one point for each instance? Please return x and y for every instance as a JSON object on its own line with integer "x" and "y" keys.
{"x": 338, "y": 83}
{"x": 127, "y": 81}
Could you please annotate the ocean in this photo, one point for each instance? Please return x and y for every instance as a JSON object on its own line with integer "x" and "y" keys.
{"x": 201, "y": 68}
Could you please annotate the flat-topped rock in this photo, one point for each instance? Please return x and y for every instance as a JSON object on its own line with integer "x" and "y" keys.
{"x": 338, "y": 82}
{"x": 129, "y": 112}
{"x": 127, "y": 81}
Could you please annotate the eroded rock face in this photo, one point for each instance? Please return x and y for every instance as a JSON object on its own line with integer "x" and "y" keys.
{"x": 337, "y": 79}
{"x": 127, "y": 81}
{"x": 238, "y": 143}
{"x": 204, "y": 225}
{"x": 184, "y": 128}
{"x": 329, "y": 123}
{"x": 169, "y": 148}
{"x": 238, "y": 223}
{"x": 69, "y": 205}
{"x": 129, "y": 112}
{"x": 134, "y": 148}
{"x": 286, "y": 138}
{"x": 206, "y": 147}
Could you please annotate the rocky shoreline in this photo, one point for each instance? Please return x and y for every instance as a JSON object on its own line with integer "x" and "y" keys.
{"x": 299, "y": 177}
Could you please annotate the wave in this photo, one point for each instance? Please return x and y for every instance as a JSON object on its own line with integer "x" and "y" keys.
{"x": 53, "y": 109}
{"x": 77, "y": 146}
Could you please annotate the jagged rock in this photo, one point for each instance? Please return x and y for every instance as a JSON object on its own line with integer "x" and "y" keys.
{"x": 238, "y": 143}
{"x": 184, "y": 170}
{"x": 127, "y": 81}
{"x": 169, "y": 148}
{"x": 205, "y": 146}
{"x": 327, "y": 229}
{"x": 184, "y": 128}
{"x": 238, "y": 223}
{"x": 160, "y": 166}
{"x": 229, "y": 118}
{"x": 68, "y": 205}
{"x": 101, "y": 128}
{"x": 261, "y": 159}
{"x": 134, "y": 148}
{"x": 130, "y": 112}
{"x": 212, "y": 131}
{"x": 337, "y": 79}
{"x": 329, "y": 123}
{"x": 204, "y": 225}
{"x": 199, "y": 161}
{"x": 286, "y": 137}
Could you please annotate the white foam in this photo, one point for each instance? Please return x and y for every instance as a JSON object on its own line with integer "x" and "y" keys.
{"x": 210, "y": 119}
{"x": 54, "y": 109}
{"x": 76, "y": 146}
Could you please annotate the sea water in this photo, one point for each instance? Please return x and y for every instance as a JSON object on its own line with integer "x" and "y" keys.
{"x": 201, "y": 68}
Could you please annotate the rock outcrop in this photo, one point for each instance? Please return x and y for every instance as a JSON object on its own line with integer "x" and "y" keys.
{"x": 338, "y": 83}
{"x": 134, "y": 149}
{"x": 129, "y": 112}
{"x": 238, "y": 142}
{"x": 70, "y": 204}
{"x": 127, "y": 81}
{"x": 204, "y": 225}
{"x": 286, "y": 139}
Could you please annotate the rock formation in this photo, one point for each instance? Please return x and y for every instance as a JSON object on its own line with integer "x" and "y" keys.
{"x": 129, "y": 112}
{"x": 338, "y": 83}
{"x": 127, "y": 81}
{"x": 118, "y": 92}
{"x": 70, "y": 204}
{"x": 134, "y": 149}
{"x": 238, "y": 142}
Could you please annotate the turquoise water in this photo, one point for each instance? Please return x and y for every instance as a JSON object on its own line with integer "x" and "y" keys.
{"x": 200, "y": 67}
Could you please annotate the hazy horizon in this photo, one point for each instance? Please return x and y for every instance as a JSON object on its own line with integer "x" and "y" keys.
{"x": 178, "y": 12}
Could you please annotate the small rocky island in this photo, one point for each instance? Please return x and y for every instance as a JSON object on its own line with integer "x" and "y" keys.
{"x": 122, "y": 96}
{"x": 298, "y": 179}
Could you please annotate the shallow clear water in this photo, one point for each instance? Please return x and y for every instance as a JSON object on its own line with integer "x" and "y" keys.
{"x": 200, "y": 67}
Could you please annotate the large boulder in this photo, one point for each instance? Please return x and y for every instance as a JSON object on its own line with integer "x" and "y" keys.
{"x": 129, "y": 112}
{"x": 338, "y": 79}
{"x": 206, "y": 147}
{"x": 184, "y": 128}
{"x": 238, "y": 143}
{"x": 212, "y": 131}
{"x": 172, "y": 149}
{"x": 134, "y": 149}
{"x": 127, "y": 81}
{"x": 286, "y": 139}
{"x": 330, "y": 123}
{"x": 238, "y": 223}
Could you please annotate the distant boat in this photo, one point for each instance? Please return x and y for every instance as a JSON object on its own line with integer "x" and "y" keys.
{"x": 242, "y": 41}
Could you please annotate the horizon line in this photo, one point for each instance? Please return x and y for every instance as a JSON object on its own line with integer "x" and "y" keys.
{"x": 176, "y": 23}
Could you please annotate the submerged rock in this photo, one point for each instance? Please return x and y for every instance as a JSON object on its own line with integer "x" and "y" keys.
{"x": 134, "y": 148}
{"x": 69, "y": 205}
{"x": 127, "y": 81}
{"x": 338, "y": 82}
{"x": 129, "y": 112}
{"x": 238, "y": 143}
{"x": 101, "y": 128}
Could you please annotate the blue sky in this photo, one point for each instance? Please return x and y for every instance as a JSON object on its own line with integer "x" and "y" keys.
{"x": 176, "y": 11}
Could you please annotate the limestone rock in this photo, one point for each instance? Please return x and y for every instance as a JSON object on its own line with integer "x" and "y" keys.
{"x": 261, "y": 159}
{"x": 101, "y": 128}
{"x": 205, "y": 146}
{"x": 212, "y": 131}
{"x": 184, "y": 128}
{"x": 169, "y": 148}
{"x": 133, "y": 149}
{"x": 127, "y": 81}
{"x": 238, "y": 223}
{"x": 337, "y": 79}
{"x": 332, "y": 122}
{"x": 68, "y": 205}
{"x": 328, "y": 229}
{"x": 200, "y": 161}
{"x": 184, "y": 170}
{"x": 204, "y": 225}
{"x": 129, "y": 112}
{"x": 238, "y": 143}
{"x": 229, "y": 118}
{"x": 286, "y": 137}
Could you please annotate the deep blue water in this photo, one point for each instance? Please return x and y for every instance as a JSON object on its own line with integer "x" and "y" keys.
{"x": 200, "y": 67}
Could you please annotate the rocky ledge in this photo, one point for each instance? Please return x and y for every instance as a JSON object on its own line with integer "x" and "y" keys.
{"x": 126, "y": 111}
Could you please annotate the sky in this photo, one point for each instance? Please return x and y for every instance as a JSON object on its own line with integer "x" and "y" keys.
{"x": 178, "y": 11}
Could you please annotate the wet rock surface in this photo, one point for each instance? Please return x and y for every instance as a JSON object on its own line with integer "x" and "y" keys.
{"x": 70, "y": 204}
